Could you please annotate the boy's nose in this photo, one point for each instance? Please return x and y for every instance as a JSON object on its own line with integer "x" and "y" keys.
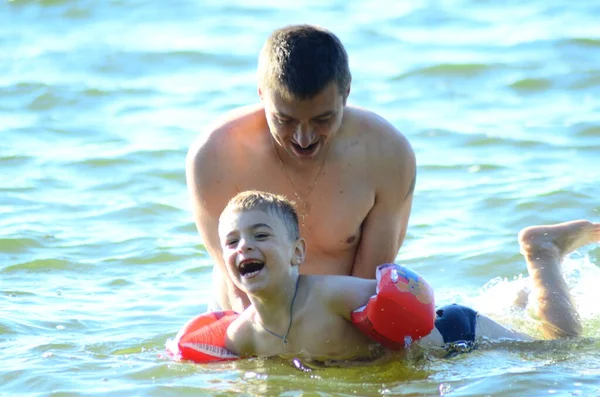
{"x": 244, "y": 246}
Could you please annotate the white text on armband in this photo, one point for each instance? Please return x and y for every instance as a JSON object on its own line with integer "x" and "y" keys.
{"x": 212, "y": 350}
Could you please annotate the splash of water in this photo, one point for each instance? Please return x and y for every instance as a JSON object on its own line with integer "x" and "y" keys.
{"x": 498, "y": 297}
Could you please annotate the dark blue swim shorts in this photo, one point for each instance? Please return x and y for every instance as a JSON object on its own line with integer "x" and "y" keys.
{"x": 457, "y": 324}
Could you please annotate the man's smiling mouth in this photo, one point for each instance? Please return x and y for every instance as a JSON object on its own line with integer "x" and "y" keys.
{"x": 310, "y": 149}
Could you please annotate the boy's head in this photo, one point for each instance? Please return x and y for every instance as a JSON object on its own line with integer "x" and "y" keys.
{"x": 260, "y": 240}
{"x": 279, "y": 206}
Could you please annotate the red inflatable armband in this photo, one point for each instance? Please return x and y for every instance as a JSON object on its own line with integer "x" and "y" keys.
{"x": 403, "y": 309}
{"x": 202, "y": 339}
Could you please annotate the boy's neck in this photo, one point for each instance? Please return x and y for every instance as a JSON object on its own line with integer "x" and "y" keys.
{"x": 274, "y": 306}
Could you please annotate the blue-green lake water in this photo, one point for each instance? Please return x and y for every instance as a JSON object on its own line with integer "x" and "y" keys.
{"x": 100, "y": 262}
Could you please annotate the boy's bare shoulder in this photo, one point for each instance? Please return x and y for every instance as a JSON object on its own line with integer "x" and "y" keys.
{"x": 342, "y": 293}
{"x": 325, "y": 284}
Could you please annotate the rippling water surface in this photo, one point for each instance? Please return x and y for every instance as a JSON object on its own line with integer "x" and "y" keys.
{"x": 100, "y": 262}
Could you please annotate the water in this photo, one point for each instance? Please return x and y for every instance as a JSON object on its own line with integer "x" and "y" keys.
{"x": 100, "y": 262}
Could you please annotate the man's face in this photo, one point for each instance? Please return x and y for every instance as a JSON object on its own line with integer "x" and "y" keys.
{"x": 303, "y": 128}
{"x": 257, "y": 249}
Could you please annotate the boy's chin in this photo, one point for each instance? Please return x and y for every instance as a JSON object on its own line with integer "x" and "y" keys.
{"x": 254, "y": 286}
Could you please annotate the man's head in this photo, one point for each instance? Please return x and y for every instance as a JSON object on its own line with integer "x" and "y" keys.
{"x": 303, "y": 82}
{"x": 260, "y": 240}
{"x": 299, "y": 61}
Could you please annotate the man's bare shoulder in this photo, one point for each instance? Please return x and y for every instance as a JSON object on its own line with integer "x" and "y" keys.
{"x": 226, "y": 128}
{"x": 383, "y": 142}
{"x": 374, "y": 129}
{"x": 212, "y": 157}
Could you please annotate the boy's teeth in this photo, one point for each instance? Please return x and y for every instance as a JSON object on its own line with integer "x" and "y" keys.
{"x": 251, "y": 274}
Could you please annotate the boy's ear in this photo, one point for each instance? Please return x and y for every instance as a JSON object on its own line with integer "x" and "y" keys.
{"x": 299, "y": 252}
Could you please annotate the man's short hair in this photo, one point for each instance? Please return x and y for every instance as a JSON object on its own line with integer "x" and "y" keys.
{"x": 299, "y": 61}
{"x": 275, "y": 204}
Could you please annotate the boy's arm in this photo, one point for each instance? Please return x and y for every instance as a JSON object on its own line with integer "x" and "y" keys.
{"x": 343, "y": 294}
{"x": 402, "y": 308}
{"x": 238, "y": 338}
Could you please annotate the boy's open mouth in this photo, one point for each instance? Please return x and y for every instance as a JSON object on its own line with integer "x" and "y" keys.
{"x": 250, "y": 268}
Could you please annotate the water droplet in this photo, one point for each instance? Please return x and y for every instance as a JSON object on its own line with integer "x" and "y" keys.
{"x": 443, "y": 389}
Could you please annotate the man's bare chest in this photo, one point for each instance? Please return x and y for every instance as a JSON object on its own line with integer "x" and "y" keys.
{"x": 331, "y": 207}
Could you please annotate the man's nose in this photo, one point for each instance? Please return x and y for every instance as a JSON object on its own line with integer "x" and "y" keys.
{"x": 304, "y": 135}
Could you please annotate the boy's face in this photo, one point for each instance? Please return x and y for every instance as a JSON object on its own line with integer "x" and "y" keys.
{"x": 257, "y": 249}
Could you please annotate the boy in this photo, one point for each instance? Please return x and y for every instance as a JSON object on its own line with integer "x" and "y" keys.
{"x": 309, "y": 315}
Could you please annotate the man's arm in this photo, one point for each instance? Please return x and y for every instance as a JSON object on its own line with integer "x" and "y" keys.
{"x": 209, "y": 189}
{"x": 384, "y": 229}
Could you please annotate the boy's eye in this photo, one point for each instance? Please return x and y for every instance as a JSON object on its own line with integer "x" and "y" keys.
{"x": 231, "y": 243}
{"x": 261, "y": 236}
{"x": 323, "y": 119}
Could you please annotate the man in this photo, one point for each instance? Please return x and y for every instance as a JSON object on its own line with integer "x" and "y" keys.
{"x": 350, "y": 172}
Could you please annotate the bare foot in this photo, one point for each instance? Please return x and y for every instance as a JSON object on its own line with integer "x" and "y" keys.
{"x": 544, "y": 248}
{"x": 558, "y": 240}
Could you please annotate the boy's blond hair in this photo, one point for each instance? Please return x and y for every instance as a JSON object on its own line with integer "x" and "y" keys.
{"x": 275, "y": 204}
